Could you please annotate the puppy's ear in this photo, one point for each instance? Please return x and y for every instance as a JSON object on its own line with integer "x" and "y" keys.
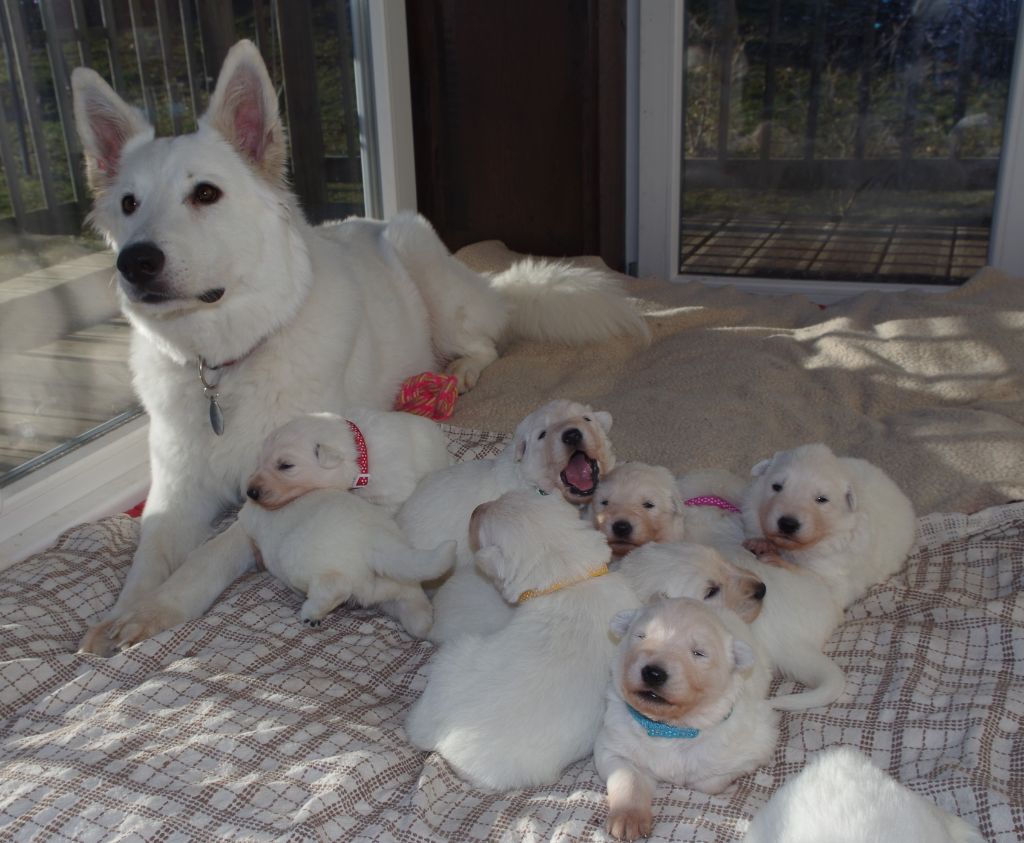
{"x": 742, "y": 655}
{"x": 243, "y": 109}
{"x": 105, "y": 123}
{"x": 520, "y": 445}
{"x": 851, "y": 499}
{"x": 603, "y": 418}
{"x": 328, "y": 457}
{"x": 493, "y": 562}
{"x": 620, "y": 623}
{"x": 761, "y": 467}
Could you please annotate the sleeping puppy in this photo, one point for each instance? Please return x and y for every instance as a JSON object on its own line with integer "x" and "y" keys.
{"x": 561, "y": 449}
{"x": 842, "y": 797}
{"x": 793, "y": 612}
{"x": 841, "y": 518}
{"x": 331, "y": 546}
{"x": 378, "y": 455}
{"x": 685, "y": 705}
{"x": 513, "y": 708}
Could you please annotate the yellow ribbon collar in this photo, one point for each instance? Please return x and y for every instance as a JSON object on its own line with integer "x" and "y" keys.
{"x": 558, "y": 586}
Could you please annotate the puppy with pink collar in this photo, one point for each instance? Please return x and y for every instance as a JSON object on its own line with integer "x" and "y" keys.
{"x": 686, "y": 705}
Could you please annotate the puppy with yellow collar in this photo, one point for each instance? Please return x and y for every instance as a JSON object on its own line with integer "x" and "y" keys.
{"x": 686, "y": 705}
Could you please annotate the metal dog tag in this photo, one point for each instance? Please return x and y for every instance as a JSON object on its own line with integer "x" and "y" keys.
{"x": 210, "y": 391}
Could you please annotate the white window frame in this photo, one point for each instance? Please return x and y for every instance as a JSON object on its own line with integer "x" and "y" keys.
{"x": 655, "y": 53}
{"x": 111, "y": 474}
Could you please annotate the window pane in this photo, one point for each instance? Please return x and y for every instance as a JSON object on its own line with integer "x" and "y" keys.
{"x": 63, "y": 344}
{"x": 843, "y": 141}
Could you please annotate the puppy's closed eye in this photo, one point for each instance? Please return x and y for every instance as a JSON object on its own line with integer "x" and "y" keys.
{"x": 776, "y": 487}
{"x": 648, "y": 505}
{"x": 285, "y": 466}
{"x": 698, "y": 654}
{"x": 712, "y": 591}
{"x": 821, "y": 499}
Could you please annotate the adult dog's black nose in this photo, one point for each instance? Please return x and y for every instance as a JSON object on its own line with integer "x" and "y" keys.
{"x": 572, "y": 437}
{"x": 788, "y": 525}
{"x": 622, "y": 529}
{"x": 760, "y": 590}
{"x": 140, "y": 264}
{"x": 253, "y": 492}
{"x": 653, "y": 675}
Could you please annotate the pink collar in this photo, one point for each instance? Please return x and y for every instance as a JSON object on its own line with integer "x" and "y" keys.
{"x": 362, "y": 456}
{"x": 712, "y": 500}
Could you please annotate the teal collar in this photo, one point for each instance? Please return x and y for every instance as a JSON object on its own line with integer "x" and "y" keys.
{"x": 655, "y": 729}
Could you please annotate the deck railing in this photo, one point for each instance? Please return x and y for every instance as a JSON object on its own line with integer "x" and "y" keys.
{"x": 164, "y": 55}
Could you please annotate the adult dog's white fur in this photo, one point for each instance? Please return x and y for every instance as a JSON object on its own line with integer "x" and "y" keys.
{"x": 331, "y": 546}
{"x": 319, "y": 451}
{"x": 841, "y": 797}
{"x": 681, "y": 663}
{"x": 217, "y": 262}
{"x": 798, "y": 611}
{"x": 841, "y": 518}
{"x": 545, "y": 456}
{"x": 513, "y": 708}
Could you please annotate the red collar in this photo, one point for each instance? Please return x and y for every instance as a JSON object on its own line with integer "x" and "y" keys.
{"x": 362, "y": 456}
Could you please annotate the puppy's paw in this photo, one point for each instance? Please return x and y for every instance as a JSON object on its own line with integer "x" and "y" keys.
{"x": 777, "y": 561}
{"x": 760, "y": 547}
{"x": 144, "y": 621}
{"x": 630, "y": 823}
{"x": 416, "y": 617}
{"x": 311, "y": 615}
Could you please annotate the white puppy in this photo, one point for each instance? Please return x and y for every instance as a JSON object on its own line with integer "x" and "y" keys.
{"x": 842, "y": 518}
{"x": 513, "y": 708}
{"x": 562, "y": 448}
{"x": 685, "y": 705}
{"x": 378, "y": 455}
{"x": 841, "y": 797}
{"x": 330, "y": 546}
{"x": 799, "y": 610}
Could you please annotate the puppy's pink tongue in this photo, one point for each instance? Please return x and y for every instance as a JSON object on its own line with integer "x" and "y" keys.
{"x": 579, "y": 472}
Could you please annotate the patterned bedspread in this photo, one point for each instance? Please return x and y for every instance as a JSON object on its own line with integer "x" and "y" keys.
{"x": 247, "y": 725}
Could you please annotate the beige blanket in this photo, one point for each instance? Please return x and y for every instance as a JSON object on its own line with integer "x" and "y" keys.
{"x": 926, "y": 385}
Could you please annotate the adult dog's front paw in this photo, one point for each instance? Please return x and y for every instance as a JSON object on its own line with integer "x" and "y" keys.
{"x": 131, "y": 627}
{"x": 630, "y": 823}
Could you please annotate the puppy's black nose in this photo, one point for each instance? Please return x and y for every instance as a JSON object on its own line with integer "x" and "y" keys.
{"x": 253, "y": 492}
{"x": 572, "y": 437}
{"x": 788, "y": 525}
{"x": 653, "y": 675}
{"x": 622, "y": 529}
{"x": 759, "y": 591}
{"x": 140, "y": 263}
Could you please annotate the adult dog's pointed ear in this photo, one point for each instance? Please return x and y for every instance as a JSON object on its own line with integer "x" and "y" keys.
{"x": 105, "y": 123}
{"x": 243, "y": 109}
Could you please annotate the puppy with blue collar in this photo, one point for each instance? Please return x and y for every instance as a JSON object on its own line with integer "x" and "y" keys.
{"x": 686, "y": 705}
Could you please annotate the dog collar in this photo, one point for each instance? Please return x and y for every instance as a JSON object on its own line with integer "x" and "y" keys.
{"x": 657, "y": 729}
{"x": 558, "y": 586}
{"x": 362, "y": 456}
{"x": 712, "y": 500}
{"x": 210, "y": 389}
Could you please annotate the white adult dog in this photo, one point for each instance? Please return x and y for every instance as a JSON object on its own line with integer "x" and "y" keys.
{"x": 793, "y": 611}
{"x": 841, "y": 518}
{"x": 512, "y": 709}
{"x": 331, "y": 546}
{"x": 685, "y": 705}
{"x": 244, "y": 315}
{"x": 841, "y": 797}
{"x": 561, "y": 448}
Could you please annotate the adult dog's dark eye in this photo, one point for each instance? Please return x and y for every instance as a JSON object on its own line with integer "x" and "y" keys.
{"x": 821, "y": 499}
{"x": 205, "y": 193}
{"x": 543, "y": 433}
{"x": 129, "y": 204}
{"x": 648, "y": 505}
{"x": 284, "y": 466}
{"x": 712, "y": 591}
{"x": 776, "y": 487}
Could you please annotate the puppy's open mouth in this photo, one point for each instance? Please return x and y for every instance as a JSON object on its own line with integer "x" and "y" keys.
{"x": 580, "y": 475}
{"x": 651, "y": 697}
{"x": 211, "y": 296}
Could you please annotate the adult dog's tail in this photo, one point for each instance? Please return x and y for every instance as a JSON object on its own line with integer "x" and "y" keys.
{"x": 556, "y": 301}
{"x": 822, "y": 676}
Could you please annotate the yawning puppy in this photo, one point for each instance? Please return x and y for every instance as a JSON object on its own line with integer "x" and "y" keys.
{"x": 559, "y": 449}
{"x": 378, "y": 455}
{"x": 513, "y": 708}
{"x": 685, "y": 705}
{"x": 842, "y": 518}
